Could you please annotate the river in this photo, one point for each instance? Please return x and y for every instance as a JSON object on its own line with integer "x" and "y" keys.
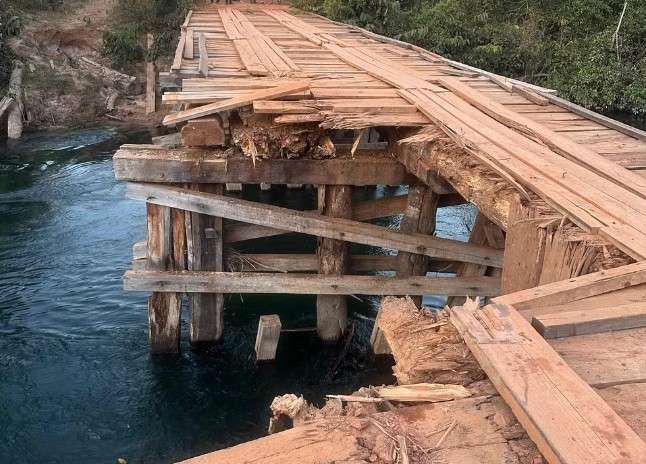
{"x": 77, "y": 383}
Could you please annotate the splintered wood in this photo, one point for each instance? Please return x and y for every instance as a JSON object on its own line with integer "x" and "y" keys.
{"x": 426, "y": 347}
{"x": 356, "y": 79}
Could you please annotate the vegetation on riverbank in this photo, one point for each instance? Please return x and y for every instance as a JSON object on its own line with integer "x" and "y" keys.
{"x": 586, "y": 49}
{"x": 133, "y": 19}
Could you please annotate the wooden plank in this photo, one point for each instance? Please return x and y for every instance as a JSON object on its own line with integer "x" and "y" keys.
{"x": 362, "y": 211}
{"x": 589, "y": 321}
{"x": 189, "y": 44}
{"x": 305, "y": 284}
{"x": 604, "y": 120}
{"x": 563, "y": 415}
{"x": 577, "y": 288}
{"x": 150, "y": 163}
{"x": 203, "y": 65}
{"x": 179, "y": 53}
{"x": 313, "y": 224}
{"x": 249, "y": 58}
{"x": 606, "y": 359}
{"x": 237, "y": 102}
{"x": 555, "y": 141}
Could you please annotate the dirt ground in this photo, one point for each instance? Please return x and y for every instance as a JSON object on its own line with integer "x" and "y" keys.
{"x": 61, "y": 90}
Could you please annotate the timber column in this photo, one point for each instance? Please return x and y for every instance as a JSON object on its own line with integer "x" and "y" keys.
{"x": 333, "y": 255}
{"x": 163, "y": 307}
{"x": 419, "y": 217}
{"x": 205, "y": 253}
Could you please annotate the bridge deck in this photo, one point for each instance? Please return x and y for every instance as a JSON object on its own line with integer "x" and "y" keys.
{"x": 298, "y": 69}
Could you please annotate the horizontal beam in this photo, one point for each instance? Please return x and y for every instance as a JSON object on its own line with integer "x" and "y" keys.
{"x": 306, "y": 284}
{"x": 266, "y": 262}
{"x": 149, "y": 163}
{"x": 577, "y": 288}
{"x": 302, "y": 262}
{"x": 590, "y": 321}
{"x": 313, "y": 224}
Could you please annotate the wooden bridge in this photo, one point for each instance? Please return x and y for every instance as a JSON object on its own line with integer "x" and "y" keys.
{"x": 271, "y": 96}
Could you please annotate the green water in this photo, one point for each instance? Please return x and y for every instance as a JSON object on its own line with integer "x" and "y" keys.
{"x": 77, "y": 383}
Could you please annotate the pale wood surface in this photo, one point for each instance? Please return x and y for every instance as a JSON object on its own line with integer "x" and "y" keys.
{"x": 314, "y": 224}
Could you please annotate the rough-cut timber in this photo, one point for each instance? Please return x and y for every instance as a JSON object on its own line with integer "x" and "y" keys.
{"x": 314, "y": 224}
{"x": 148, "y": 163}
{"x": 205, "y": 253}
{"x": 565, "y": 417}
{"x": 419, "y": 218}
{"x": 306, "y": 284}
{"x": 163, "y": 308}
{"x": 331, "y": 310}
{"x": 205, "y": 132}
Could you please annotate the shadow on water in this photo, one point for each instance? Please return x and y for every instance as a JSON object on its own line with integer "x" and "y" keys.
{"x": 77, "y": 383}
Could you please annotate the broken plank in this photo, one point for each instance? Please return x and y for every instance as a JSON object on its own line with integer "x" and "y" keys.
{"x": 313, "y": 224}
{"x": 305, "y": 284}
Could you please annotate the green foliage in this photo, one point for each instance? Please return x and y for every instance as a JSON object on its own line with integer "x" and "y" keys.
{"x": 133, "y": 19}
{"x": 568, "y": 45}
{"x": 9, "y": 26}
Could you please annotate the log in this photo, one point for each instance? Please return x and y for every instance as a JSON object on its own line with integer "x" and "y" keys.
{"x": 331, "y": 310}
{"x": 305, "y": 284}
{"x": 313, "y": 224}
{"x": 148, "y": 163}
{"x": 163, "y": 308}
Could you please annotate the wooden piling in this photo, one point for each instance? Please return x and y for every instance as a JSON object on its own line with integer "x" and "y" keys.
{"x": 419, "y": 217}
{"x": 205, "y": 253}
{"x": 331, "y": 310}
{"x": 163, "y": 308}
{"x": 269, "y": 327}
{"x": 151, "y": 79}
{"x": 484, "y": 232}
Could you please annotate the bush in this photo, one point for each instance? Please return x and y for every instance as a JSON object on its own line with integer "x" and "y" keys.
{"x": 133, "y": 19}
{"x": 564, "y": 44}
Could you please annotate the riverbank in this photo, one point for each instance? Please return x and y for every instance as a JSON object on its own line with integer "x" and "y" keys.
{"x": 67, "y": 82}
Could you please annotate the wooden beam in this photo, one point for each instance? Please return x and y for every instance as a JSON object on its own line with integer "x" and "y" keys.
{"x": 419, "y": 218}
{"x": 149, "y": 163}
{"x": 577, "y": 288}
{"x": 562, "y": 414}
{"x": 203, "y": 64}
{"x": 362, "y": 211}
{"x": 331, "y": 310}
{"x": 164, "y": 309}
{"x": 306, "y": 284}
{"x": 313, "y": 224}
{"x": 205, "y": 253}
{"x": 589, "y": 321}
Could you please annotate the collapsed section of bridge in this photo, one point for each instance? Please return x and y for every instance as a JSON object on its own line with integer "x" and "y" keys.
{"x": 266, "y": 96}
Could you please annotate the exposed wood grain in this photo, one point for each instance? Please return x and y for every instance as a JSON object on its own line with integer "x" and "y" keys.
{"x": 313, "y": 224}
{"x": 306, "y": 284}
